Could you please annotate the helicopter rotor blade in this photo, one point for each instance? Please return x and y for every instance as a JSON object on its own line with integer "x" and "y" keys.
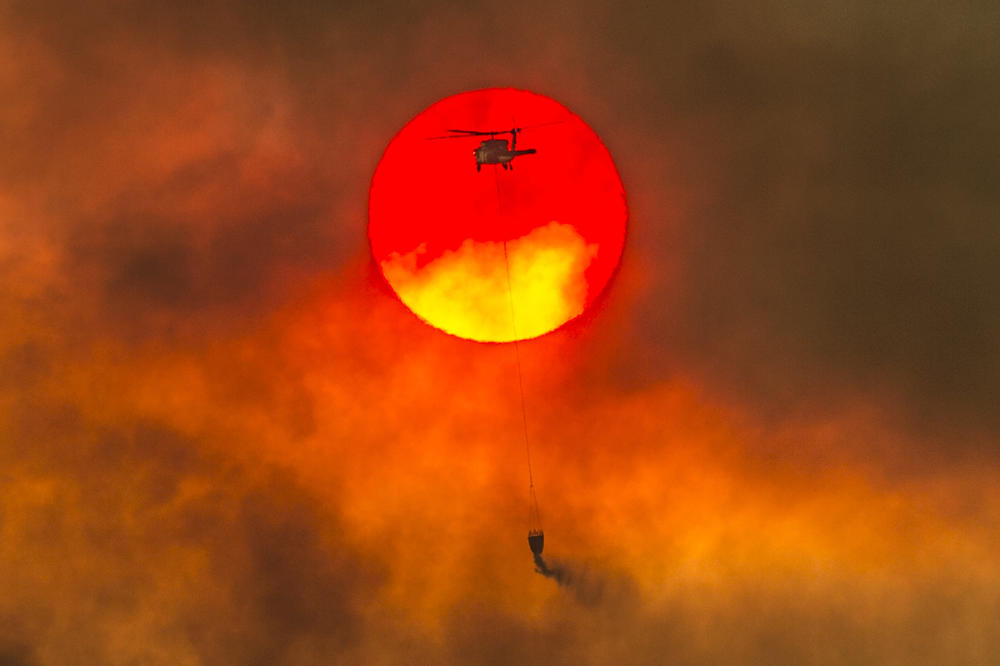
{"x": 465, "y": 133}
{"x": 470, "y": 132}
{"x": 551, "y": 122}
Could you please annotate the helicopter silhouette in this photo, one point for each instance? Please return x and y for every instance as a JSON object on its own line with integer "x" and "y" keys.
{"x": 494, "y": 150}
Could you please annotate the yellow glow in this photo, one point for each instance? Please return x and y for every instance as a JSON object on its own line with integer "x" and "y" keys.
{"x": 464, "y": 291}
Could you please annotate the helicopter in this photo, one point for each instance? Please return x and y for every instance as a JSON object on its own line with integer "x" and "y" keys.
{"x": 494, "y": 150}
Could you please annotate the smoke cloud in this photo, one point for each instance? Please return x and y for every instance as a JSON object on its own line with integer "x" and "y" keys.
{"x": 589, "y": 585}
{"x": 464, "y": 292}
{"x": 772, "y": 440}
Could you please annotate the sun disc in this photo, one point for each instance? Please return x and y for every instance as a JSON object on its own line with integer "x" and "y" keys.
{"x": 497, "y": 254}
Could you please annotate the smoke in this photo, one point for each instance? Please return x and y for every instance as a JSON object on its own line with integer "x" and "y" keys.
{"x": 464, "y": 291}
{"x": 557, "y": 574}
{"x": 566, "y": 575}
{"x": 590, "y": 585}
{"x": 222, "y": 443}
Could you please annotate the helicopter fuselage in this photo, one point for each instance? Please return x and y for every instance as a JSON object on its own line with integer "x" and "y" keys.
{"x": 496, "y": 151}
{"x": 493, "y": 150}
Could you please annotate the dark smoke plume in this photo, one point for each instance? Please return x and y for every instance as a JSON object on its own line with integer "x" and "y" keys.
{"x": 558, "y": 573}
{"x": 588, "y": 585}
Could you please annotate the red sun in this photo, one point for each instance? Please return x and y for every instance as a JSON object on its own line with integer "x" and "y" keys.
{"x": 497, "y": 254}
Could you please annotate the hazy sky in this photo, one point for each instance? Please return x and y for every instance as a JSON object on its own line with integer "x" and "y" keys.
{"x": 775, "y": 439}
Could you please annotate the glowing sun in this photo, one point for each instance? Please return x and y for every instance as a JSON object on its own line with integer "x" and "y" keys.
{"x": 497, "y": 254}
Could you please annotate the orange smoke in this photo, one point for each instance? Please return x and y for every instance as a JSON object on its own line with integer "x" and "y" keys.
{"x": 464, "y": 291}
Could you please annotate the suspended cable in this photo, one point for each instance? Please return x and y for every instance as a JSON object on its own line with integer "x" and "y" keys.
{"x": 534, "y": 516}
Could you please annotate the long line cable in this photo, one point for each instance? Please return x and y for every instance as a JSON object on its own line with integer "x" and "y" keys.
{"x": 533, "y": 500}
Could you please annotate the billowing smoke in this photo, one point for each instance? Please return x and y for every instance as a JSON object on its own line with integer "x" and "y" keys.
{"x": 557, "y": 573}
{"x": 588, "y": 584}
{"x": 223, "y": 440}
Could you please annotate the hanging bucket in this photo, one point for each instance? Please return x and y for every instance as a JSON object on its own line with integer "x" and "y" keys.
{"x": 536, "y": 541}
